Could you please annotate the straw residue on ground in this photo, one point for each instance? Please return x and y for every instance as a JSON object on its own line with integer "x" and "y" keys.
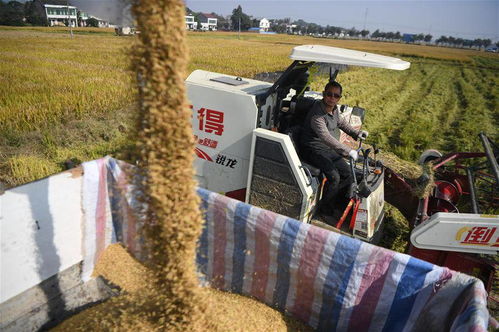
{"x": 420, "y": 177}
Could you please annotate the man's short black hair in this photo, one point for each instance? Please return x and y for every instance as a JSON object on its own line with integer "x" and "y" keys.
{"x": 333, "y": 84}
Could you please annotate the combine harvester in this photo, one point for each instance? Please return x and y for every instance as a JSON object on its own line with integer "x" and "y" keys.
{"x": 248, "y": 149}
{"x": 248, "y": 138}
{"x": 53, "y": 230}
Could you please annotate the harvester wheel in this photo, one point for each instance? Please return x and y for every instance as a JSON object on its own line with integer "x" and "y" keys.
{"x": 428, "y": 156}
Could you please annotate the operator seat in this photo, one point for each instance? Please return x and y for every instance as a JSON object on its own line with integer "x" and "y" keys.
{"x": 294, "y": 133}
{"x": 319, "y": 178}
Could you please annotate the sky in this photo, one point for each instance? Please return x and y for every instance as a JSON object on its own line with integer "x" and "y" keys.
{"x": 466, "y": 19}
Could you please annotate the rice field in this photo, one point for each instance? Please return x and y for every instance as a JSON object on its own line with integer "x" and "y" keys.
{"x": 64, "y": 100}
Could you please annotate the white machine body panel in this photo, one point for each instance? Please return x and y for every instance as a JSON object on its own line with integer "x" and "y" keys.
{"x": 368, "y": 215}
{"x": 223, "y": 119}
{"x": 295, "y": 164}
{"x": 40, "y": 231}
{"x": 463, "y": 232}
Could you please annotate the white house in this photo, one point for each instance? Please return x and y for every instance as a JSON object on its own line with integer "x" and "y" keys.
{"x": 190, "y": 23}
{"x": 208, "y": 22}
{"x": 61, "y": 15}
{"x": 264, "y": 25}
{"x": 83, "y": 18}
{"x": 101, "y": 23}
{"x": 291, "y": 28}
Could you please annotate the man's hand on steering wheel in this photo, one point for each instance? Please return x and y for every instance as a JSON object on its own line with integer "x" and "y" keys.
{"x": 353, "y": 154}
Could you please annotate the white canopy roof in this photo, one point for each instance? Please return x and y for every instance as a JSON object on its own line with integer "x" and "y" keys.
{"x": 336, "y": 55}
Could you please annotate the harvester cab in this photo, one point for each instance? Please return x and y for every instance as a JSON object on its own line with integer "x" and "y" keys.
{"x": 247, "y": 134}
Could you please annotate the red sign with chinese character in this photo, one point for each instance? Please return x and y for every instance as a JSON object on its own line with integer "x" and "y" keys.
{"x": 211, "y": 121}
{"x": 479, "y": 235}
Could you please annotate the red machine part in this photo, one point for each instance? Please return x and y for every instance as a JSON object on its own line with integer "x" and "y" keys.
{"x": 465, "y": 263}
{"x": 447, "y": 191}
{"x": 444, "y": 198}
{"x": 239, "y": 194}
{"x": 451, "y": 185}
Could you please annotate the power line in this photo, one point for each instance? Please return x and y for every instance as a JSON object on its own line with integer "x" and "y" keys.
{"x": 69, "y": 21}
{"x": 365, "y": 19}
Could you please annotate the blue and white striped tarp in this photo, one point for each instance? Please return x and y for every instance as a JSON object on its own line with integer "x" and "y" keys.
{"x": 330, "y": 281}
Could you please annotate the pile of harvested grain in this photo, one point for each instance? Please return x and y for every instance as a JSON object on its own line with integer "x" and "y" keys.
{"x": 231, "y": 312}
{"x": 117, "y": 266}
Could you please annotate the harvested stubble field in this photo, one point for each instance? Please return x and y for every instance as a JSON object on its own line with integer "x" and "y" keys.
{"x": 64, "y": 99}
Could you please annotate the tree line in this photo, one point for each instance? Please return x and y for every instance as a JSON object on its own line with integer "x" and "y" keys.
{"x": 396, "y": 35}
{"x": 240, "y": 20}
{"x": 15, "y": 13}
{"x": 464, "y": 42}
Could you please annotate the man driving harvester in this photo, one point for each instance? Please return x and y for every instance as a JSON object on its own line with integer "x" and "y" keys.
{"x": 320, "y": 142}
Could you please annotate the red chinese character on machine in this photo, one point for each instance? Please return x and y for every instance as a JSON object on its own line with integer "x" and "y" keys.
{"x": 479, "y": 235}
{"x": 211, "y": 121}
